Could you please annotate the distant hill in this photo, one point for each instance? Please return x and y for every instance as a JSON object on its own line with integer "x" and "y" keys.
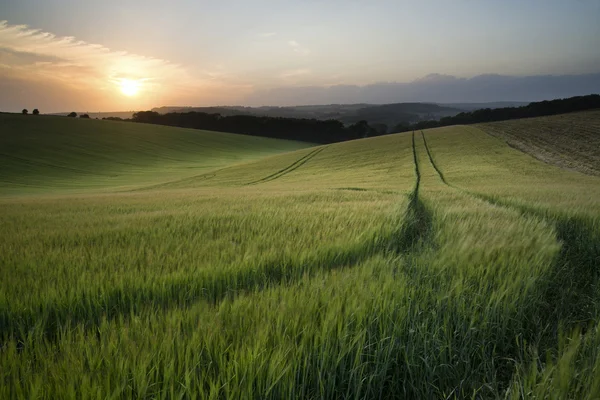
{"x": 437, "y": 88}
{"x": 321, "y": 112}
{"x": 223, "y": 110}
{"x": 531, "y": 110}
{"x": 478, "y": 106}
{"x": 394, "y": 114}
{"x": 100, "y": 115}
{"x": 360, "y": 121}
{"x": 387, "y": 114}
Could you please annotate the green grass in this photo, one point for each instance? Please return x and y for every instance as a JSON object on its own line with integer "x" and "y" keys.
{"x": 45, "y": 154}
{"x": 442, "y": 264}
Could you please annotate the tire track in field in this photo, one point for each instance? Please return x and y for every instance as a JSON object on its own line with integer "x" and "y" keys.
{"x": 211, "y": 174}
{"x": 538, "y": 330}
{"x": 212, "y": 286}
{"x": 571, "y": 294}
{"x": 433, "y": 164}
{"x": 415, "y": 230}
{"x": 292, "y": 167}
{"x": 417, "y": 170}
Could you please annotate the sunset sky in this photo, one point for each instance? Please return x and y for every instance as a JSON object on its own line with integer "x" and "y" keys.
{"x": 62, "y": 55}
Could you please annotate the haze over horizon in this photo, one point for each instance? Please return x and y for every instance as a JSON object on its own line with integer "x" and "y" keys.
{"x": 70, "y": 55}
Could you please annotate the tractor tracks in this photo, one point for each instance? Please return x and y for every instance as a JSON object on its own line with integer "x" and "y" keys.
{"x": 290, "y": 168}
{"x": 574, "y": 277}
{"x": 433, "y": 164}
{"x": 415, "y": 229}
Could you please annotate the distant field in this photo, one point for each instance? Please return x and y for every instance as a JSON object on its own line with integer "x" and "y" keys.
{"x": 569, "y": 141}
{"x": 435, "y": 264}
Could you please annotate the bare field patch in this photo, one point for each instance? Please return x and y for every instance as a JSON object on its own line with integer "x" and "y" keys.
{"x": 569, "y": 141}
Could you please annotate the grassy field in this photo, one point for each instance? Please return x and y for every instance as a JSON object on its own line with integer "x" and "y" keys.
{"x": 435, "y": 264}
{"x": 45, "y": 153}
{"x": 569, "y": 141}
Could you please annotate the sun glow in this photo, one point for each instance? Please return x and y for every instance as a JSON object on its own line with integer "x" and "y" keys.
{"x": 129, "y": 87}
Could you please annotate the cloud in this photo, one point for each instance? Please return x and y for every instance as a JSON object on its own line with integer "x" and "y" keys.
{"x": 78, "y": 60}
{"x": 434, "y": 88}
{"x": 298, "y": 48}
{"x": 294, "y": 73}
{"x": 10, "y": 57}
{"x": 267, "y": 34}
{"x": 30, "y": 55}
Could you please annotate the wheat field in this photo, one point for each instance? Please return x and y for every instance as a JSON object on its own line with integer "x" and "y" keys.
{"x": 152, "y": 262}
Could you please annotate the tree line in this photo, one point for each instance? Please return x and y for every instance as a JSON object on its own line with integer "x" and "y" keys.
{"x": 330, "y": 131}
{"x": 308, "y": 130}
{"x": 71, "y": 115}
{"x": 535, "y": 109}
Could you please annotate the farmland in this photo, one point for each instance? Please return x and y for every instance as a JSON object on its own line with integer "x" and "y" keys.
{"x": 57, "y": 154}
{"x": 569, "y": 141}
{"x": 156, "y": 262}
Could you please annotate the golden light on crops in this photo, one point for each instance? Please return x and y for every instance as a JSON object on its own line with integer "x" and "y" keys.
{"x": 129, "y": 87}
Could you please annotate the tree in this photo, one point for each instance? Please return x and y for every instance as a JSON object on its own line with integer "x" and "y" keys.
{"x": 380, "y": 129}
{"x": 72, "y": 115}
{"x": 401, "y": 127}
{"x": 25, "y": 111}
{"x": 361, "y": 129}
{"x": 84, "y": 116}
{"x": 36, "y": 111}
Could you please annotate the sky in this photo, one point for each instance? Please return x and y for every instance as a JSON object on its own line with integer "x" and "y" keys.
{"x": 131, "y": 54}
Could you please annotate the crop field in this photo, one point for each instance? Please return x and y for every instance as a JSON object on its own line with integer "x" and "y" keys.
{"x": 569, "y": 141}
{"x": 46, "y": 154}
{"x": 434, "y": 264}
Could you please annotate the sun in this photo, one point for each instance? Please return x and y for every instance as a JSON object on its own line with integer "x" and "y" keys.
{"x": 129, "y": 87}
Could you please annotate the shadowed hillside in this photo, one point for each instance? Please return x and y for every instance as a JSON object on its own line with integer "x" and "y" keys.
{"x": 60, "y": 152}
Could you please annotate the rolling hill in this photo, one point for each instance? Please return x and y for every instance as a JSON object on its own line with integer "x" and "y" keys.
{"x": 432, "y": 264}
{"x": 59, "y": 152}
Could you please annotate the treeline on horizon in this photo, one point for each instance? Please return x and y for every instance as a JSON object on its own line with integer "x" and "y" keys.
{"x": 330, "y": 131}
{"x": 535, "y": 109}
{"x": 306, "y": 130}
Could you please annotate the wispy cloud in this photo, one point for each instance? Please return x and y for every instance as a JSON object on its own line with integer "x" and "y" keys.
{"x": 295, "y": 77}
{"x": 32, "y": 55}
{"x": 294, "y": 73}
{"x": 42, "y": 53}
{"x": 298, "y": 48}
